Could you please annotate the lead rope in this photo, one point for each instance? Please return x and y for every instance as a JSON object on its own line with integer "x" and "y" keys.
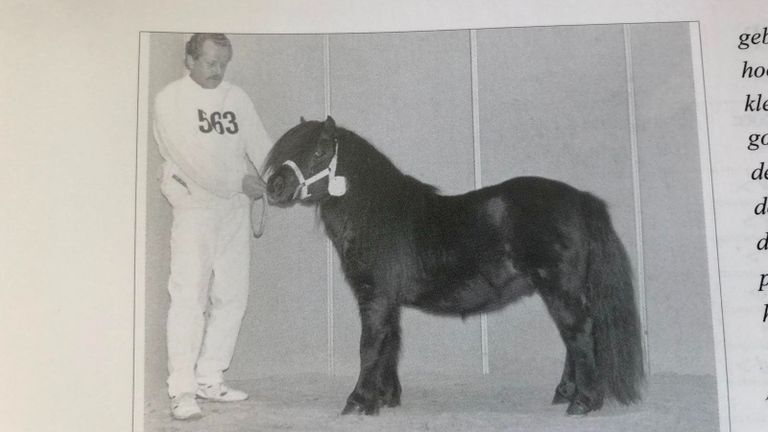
{"x": 258, "y": 230}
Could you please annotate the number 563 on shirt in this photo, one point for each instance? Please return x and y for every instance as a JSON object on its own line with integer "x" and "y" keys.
{"x": 220, "y": 123}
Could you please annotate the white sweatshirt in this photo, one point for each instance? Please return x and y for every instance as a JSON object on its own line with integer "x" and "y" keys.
{"x": 207, "y": 133}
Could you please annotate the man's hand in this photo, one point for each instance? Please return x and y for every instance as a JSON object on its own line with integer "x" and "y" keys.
{"x": 254, "y": 186}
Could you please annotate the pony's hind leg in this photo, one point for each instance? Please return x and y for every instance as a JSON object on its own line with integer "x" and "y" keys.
{"x": 565, "y": 391}
{"x": 376, "y": 316}
{"x": 571, "y": 315}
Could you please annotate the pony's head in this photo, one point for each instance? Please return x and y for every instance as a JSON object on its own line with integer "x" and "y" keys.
{"x": 303, "y": 164}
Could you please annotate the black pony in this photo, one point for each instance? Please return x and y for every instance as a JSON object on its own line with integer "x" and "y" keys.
{"x": 403, "y": 244}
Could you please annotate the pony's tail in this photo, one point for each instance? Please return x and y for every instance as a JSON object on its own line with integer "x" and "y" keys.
{"x": 616, "y": 323}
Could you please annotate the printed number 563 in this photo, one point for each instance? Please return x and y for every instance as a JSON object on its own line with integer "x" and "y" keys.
{"x": 213, "y": 123}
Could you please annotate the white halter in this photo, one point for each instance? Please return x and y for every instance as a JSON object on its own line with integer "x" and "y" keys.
{"x": 337, "y": 186}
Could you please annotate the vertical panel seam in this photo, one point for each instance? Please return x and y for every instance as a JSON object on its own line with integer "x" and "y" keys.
{"x": 478, "y": 177}
{"x": 328, "y": 245}
{"x": 637, "y": 197}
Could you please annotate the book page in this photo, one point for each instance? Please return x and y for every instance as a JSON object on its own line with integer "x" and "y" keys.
{"x": 85, "y": 226}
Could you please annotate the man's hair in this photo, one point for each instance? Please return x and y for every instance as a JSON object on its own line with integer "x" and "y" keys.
{"x": 195, "y": 43}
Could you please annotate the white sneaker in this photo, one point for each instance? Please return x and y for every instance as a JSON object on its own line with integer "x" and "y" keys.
{"x": 220, "y": 393}
{"x": 184, "y": 407}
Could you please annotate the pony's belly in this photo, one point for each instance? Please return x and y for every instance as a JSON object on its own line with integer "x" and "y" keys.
{"x": 472, "y": 296}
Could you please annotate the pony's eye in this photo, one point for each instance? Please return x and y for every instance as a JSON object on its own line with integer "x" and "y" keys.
{"x": 319, "y": 153}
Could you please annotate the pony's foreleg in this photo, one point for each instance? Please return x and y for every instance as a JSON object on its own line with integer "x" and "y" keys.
{"x": 565, "y": 391}
{"x": 389, "y": 382}
{"x": 575, "y": 326}
{"x": 375, "y": 315}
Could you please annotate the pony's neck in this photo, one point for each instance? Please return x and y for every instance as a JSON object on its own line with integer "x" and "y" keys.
{"x": 375, "y": 186}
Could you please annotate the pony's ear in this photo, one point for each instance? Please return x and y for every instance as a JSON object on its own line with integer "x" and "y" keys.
{"x": 329, "y": 126}
{"x": 302, "y": 119}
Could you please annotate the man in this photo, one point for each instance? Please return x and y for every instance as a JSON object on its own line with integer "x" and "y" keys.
{"x": 205, "y": 127}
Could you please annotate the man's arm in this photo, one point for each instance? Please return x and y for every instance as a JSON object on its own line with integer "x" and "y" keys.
{"x": 257, "y": 140}
{"x": 257, "y": 145}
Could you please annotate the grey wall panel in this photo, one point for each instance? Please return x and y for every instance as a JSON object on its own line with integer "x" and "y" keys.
{"x": 283, "y": 75}
{"x": 676, "y": 274}
{"x": 165, "y": 65}
{"x": 553, "y": 103}
{"x": 410, "y": 95}
{"x": 284, "y": 330}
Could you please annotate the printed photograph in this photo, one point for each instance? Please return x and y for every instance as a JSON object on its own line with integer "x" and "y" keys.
{"x": 456, "y": 230}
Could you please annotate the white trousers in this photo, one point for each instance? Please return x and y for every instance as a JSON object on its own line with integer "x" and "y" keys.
{"x": 208, "y": 286}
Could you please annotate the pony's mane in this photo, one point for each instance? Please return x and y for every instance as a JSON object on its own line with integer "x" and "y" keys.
{"x": 371, "y": 170}
{"x": 364, "y": 165}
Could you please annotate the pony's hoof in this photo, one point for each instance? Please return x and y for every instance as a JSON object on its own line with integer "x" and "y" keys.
{"x": 390, "y": 399}
{"x": 578, "y": 408}
{"x": 354, "y": 407}
{"x": 564, "y": 393}
{"x": 391, "y": 402}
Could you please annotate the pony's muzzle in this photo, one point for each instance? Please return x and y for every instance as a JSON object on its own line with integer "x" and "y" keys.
{"x": 278, "y": 190}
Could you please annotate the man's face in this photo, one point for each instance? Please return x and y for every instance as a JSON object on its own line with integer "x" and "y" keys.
{"x": 208, "y": 69}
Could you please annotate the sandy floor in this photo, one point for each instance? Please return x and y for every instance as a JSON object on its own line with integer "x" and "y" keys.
{"x": 437, "y": 403}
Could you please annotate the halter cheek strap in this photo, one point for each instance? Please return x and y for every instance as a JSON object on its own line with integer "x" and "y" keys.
{"x": 301, "y": 191}
{"x": 337, "y": 186}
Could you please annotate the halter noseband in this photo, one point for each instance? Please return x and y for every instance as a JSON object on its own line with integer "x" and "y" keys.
{"x": 337, "y": 186}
